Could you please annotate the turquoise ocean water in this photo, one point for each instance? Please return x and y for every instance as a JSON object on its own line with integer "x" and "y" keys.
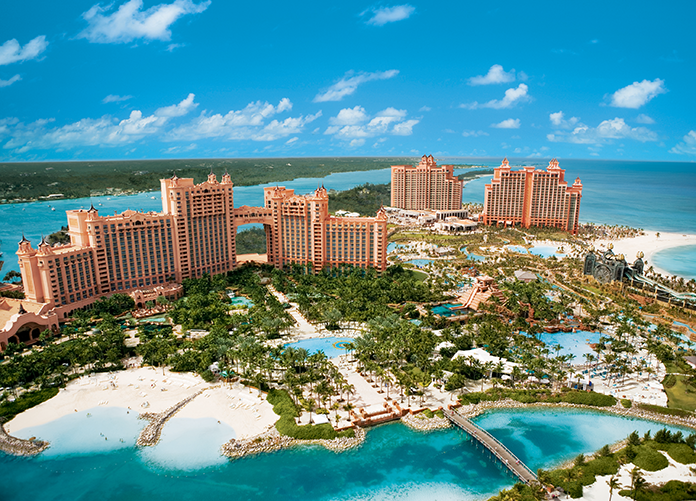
{"x": 656, "y": 196}
{"x": 394, "y": 463}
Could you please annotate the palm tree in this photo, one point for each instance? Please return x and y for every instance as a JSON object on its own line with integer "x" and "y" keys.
{"x": 637, "y": 481}
{"x": 613, "y": 483}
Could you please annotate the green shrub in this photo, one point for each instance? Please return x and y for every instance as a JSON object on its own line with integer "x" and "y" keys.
{"x": 649, "y": 459}
{"x": 286, "y": 425}
{"x": 681, "y": 453}
{"x": 439, "y": 413}
{"x": 669, "y": 381}
{"x": 588, "y": 398}
{"x": 428, "y": 413}
{"x": 8, "y": 410}
{"x": 674, "y": 490}
{"x": 626, "y": 403}
{"x": 664, "y": 410}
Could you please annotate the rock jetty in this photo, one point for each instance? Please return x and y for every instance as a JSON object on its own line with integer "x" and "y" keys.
{"x": 18, "y": 446}
{"x": 151, "y": 433}
{"x": 271, "y": 440}
{"x": 424, "y": 423}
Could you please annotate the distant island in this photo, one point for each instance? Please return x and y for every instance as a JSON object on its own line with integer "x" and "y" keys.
{"x": 23, "y": 182}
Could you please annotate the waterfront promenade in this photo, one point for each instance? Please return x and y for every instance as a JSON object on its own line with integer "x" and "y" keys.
{"x": 517, "y": 467}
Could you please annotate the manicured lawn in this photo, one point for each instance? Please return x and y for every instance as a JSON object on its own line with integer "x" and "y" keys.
{"x": 679, "y": 397}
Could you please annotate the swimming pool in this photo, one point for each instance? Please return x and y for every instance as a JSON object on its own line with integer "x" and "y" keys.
{"x": 472, "y": 256}
{"x": 420, "y": 262}
{"x": 517, "y": 248}
{"x": 331, "y": 346}
{"x": 156, "y": 319}
{"x": 572, "y": 343}
{"x": 545, "y": 251}
{"x": 445, "y": 310}
{"x": 241, "y": 301}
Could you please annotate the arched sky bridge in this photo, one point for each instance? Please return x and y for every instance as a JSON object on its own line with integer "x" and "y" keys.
{"x": 502, "y": 453}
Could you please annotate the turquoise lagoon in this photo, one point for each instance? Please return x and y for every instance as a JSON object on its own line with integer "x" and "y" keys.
{"x": 394, "y": 463}
{"x": 572, "y": 343}
{"x": 331, "y": 346}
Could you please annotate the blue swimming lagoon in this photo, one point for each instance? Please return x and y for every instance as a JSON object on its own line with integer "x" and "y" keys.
{"x": 331, "y": 346}
{"x": 395, "y": 462}
{"x": 446, "y": 310}
{"x": 241, "y": 301}
{"x": 572, "y": 343}
{"x": 472, "y": 256}
{"x": 420, "y": 262}
{"x": 545, "y": 251}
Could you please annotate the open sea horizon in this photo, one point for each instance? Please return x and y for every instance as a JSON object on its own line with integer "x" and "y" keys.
{"x": 654, "y": 196}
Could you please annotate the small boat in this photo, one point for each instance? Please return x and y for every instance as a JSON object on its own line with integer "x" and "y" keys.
{"x": 53, "y": 208}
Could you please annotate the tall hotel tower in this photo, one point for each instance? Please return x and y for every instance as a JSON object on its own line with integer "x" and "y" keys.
{"x": 136, "y": 253}
{"x": 531, "y": 197}
{"x": 425, "y": 186}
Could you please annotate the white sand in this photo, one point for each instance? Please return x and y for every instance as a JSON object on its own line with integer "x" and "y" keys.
{"x": 650, "y": 244}
{"x": 133, "y": 387}
{"x": 599, "y": 491}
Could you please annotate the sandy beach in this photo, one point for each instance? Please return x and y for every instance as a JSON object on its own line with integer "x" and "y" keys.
{"x": 148, "y": 390}
{"x": 599, "y": 491}
{"x": 650, "y": 244}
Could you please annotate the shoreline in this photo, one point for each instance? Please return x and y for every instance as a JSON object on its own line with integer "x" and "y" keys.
{"x": 649, "y": 244}
{"x": 473, "y": 410}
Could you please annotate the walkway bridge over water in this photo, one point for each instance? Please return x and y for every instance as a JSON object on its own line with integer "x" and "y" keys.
{"x": 507, "y": 458}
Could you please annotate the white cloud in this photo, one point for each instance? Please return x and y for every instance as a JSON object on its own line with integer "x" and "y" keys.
{"x": 292, "y": 140}
{"x": 245, "y": 124}
{"x": 510, "y": 123}
{"x": 180, "y": 149}
{"x": 7, "y": 83}
{"x": 644, "y": 119}
{"x": 687, "y": 147}
{"x": 278, "y": 129}
{"x": 603, "y": 133}
{"x": 496, "y": 74}
{"x": 172, "y": 46}
{"x": 355, "y": 123}
{"x": 114, "y": 98}
{"x": 474, "y": 133}
{"x": 512, "y": 96}
{"x": 12, "y": 52}
{"x": 104, "y": 131}
{"x": 178, "y": 110}
{"x": 638, "y": 93}
{"x": 129, "y": 22}
{"x": 404, "y": 128}
{"x": 425, "y": 108}
{"x": 349, "y": 84}
{"x": 349, "y": 116}
{"x": 356, "y": 142}
{"x": 384, "y": 15}
{"x": 558, "y": 120}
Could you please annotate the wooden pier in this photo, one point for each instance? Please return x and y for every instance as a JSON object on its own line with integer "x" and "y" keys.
{"x": 507, "y": 458}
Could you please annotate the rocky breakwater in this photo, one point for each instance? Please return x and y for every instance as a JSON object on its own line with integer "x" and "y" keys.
{"x": 151, "y": 433}
{"x": 271, "y": 440}
{"x": 473, "y": 410}
{"x": 18, "y": 446}
{"x": 421, "y": 422}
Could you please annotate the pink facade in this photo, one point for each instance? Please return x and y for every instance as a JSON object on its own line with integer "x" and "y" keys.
{"x": 194, "y": 234}
{"x": 425, "y": 186}
{"x": 531, "y": 197}
{"x": 303, "y": 232}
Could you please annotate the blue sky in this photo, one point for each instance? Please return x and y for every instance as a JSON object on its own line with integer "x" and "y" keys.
{"x": 190, "y": 78}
